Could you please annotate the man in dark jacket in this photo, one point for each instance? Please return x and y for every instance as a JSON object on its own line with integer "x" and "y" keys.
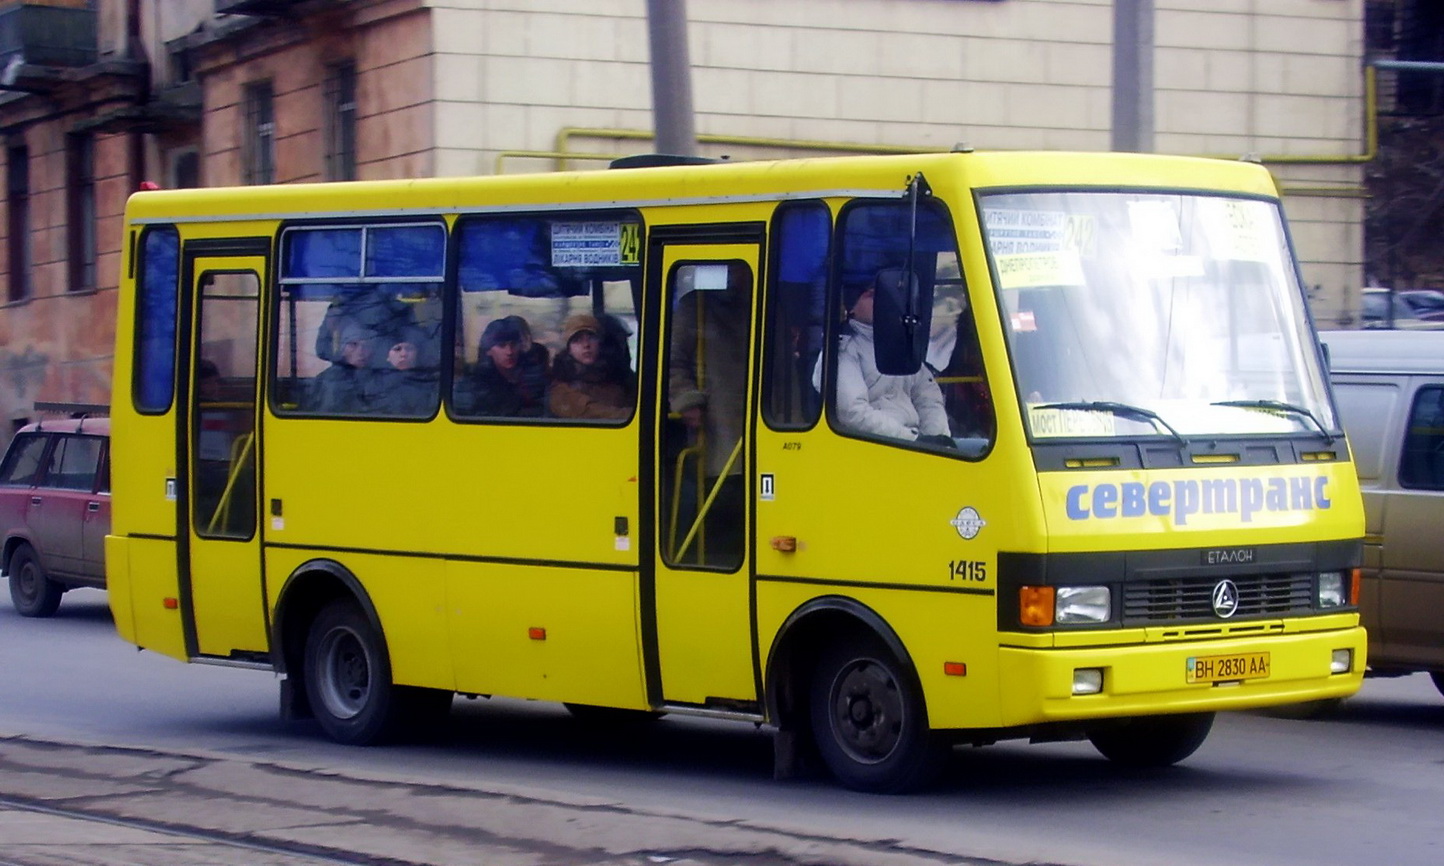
{"x": 497, "y": 386}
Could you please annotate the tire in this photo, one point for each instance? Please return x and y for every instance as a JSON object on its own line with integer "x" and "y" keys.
{"x": 1438, "y": 678}
{"x": 31, "y": 589}
{"x": 1152, "y": 741}
{"x": 869, "y": 721}
{"x": 348, "y": 678}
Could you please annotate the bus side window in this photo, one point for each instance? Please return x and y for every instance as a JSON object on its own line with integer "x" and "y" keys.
{"x": 802, "y": 233}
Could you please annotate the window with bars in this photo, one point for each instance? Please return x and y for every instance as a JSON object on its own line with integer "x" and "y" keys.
{"x": 341, "y": 121}
{"x": 80, "y": 209}
{"x": 17, "y": 188}
{"x": 259, "y": 144}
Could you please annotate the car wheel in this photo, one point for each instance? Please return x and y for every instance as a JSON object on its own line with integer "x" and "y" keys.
{"x": 869, "y": 721}
{"x": 348, "y": 677}
{"x": 31, "y": 589}
{"x": 1152, "y": 741}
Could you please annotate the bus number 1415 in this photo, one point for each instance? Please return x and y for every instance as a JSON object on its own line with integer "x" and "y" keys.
{"x": 967, "y": 569}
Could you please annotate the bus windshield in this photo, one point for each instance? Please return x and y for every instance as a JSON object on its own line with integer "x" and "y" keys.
{"x": 1145, "y": 313}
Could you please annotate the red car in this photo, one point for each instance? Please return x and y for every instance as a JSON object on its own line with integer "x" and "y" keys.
{"x": 54, "y": 511}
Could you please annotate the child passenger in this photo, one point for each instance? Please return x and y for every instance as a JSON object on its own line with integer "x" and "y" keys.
{"x": 584, "y": 384}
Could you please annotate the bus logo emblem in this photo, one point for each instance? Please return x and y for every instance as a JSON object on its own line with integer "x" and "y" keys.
{"x": 968, "y": 523}
{"x": 1225, "y": 599}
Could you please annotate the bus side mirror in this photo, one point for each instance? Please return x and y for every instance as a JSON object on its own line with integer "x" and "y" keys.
{"x": 902, "y": 320}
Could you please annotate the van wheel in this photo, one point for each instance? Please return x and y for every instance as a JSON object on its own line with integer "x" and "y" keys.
{"x": 31, "y": 589}
{"x": 348, "y": 677}
{"x": 869, "y": 721}
{"x": 1152, "y": 741}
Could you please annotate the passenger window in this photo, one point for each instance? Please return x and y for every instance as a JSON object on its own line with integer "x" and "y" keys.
{"x": 22, "y": 460}
{"x": 73, "y": 462}
{"x": 1422, "y": 464}
{"x": 546, "y": 317}
{"x": 801, "y": 235}
{"x": 360, "y": 320}
{"x": 153, "y": 385}
{"x": 946, "y": 406}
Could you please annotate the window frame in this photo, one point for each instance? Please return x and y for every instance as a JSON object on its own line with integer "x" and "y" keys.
{"x": 258, "y": 133}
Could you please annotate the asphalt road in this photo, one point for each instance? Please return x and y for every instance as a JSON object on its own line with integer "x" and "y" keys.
{"x": 1362, "y": 786}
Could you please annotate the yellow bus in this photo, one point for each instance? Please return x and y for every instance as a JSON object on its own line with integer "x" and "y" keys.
{"x": 885, "y": 453}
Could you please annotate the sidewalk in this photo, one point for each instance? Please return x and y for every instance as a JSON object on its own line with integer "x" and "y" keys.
{"x": 195, "y": 809}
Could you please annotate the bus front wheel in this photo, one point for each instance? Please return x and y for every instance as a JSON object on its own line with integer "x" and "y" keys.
{"x": 869, "y": 722}
{"x": 348, "y": 677}
{"x": 1152, "y": 741}
{"x": 31, "y": 589}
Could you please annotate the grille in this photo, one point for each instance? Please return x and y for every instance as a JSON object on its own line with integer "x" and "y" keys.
{"x": 1191, "y": 598}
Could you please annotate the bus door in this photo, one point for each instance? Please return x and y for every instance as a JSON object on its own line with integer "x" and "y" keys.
{"x": 220, "y": 556}
{"x": 702, "y": 600}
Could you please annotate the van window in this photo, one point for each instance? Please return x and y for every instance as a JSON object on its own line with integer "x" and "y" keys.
{"x": 1367, "y": 408}
{"x": 1422, "y": 466}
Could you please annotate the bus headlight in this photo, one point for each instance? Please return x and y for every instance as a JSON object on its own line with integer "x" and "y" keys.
{"x": 1333, "y": 589}
{"x": 1074, "y": 604}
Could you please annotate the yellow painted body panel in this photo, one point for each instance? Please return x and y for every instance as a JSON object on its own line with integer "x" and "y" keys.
{"x": 589, "y": 653}
{"x": 147, "y": 571}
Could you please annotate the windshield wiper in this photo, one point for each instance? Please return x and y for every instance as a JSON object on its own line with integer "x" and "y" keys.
{"x": 1123, "y": 410}
{"x": 1279, "y": 406}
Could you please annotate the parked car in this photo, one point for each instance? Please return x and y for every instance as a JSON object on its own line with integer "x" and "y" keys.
{"x": 54, "y": 511}
{"x": 1389, "y": 386}
{"x": 1375, "y": 310}
{"x": 1426, "y": 303}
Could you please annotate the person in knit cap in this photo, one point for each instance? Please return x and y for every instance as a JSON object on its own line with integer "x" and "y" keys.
{"x": 584, "y": 385}
{"x": 341, "y": 389}
{"x": 872, "y": 403}
{"x": 533, "y": 361}
{"x": 404, "y": 387}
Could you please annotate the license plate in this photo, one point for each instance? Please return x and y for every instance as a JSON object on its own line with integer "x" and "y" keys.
{"x": 1228, "y": 668}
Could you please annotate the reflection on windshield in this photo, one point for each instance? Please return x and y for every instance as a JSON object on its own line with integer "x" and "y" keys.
{"x": 1183, "y": 306}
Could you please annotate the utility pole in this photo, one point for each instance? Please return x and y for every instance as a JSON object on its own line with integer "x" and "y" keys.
{"x": 1133, "y": 76}
{"x": 671, "y": 78}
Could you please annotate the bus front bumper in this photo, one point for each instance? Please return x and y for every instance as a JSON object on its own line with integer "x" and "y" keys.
{"x": 1043, "y": 684}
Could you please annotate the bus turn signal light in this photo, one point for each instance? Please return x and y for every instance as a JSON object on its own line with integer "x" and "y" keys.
{"x": 170, "y": 603}
{"x": 955, "y": 669}
{"x": 536, "y": 633}
{"x": 1354, "y": 577}
{"x": 1035, "y": 605}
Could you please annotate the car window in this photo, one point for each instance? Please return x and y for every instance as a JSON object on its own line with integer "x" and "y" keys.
{"x": 73, "y": 462}
{"x": 1422, "y": 466}
{"x": 22, "y": 460}
{"x": 1366, "y": 408}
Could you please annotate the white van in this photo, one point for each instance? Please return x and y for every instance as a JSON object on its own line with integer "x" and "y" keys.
{"x": 1389, "y": 386}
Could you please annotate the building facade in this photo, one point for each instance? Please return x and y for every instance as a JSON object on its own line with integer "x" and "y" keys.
{"x": 223, "y": 92}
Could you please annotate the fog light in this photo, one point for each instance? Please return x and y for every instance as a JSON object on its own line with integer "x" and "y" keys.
{"x": 1332, "y": 589}
{"x": 1341, "y": 663}
{"x": 1087, "y": 681}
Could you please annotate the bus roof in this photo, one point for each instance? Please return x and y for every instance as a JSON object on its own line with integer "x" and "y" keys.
{"x": 720, "y": 182}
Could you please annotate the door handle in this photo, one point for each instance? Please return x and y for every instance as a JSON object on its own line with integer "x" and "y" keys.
{"x": 36, "y": 500}
{"x": 92, "y": 506}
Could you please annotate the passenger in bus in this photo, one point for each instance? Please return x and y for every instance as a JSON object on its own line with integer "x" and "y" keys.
{"x": 867, "y": 401}
{"x": 403, "y": 386}
{"x": 584, "y": 383}
{"x": 534, "y": 362}
{"x": 496, "y": 387}
{"x": 343, "y": 387}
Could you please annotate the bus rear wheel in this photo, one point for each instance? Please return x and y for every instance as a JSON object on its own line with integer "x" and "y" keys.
{"x": 31, "y": 589}
{"x": 1152, "y": 741}
{"x": 869, "y": 721}
{"x": 348, "y": 677}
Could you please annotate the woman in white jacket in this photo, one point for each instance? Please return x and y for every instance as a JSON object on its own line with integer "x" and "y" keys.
{"x": 870, "y": 402}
